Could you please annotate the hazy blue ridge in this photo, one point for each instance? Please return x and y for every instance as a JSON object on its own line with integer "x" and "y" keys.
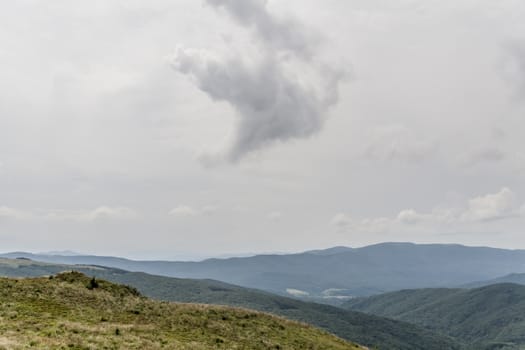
{"x": 353, "y": 272}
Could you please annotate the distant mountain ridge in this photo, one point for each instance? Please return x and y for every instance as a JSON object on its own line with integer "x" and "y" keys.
{"x": 516, "y": 278}
{"x": 352, "y": 271}
{"x": 330, "y": 251}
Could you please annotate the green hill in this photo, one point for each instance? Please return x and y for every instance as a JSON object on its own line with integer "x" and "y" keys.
{"x": 364, "y": 329}
{"x": 491, "y": 317}
{"x": 71, "y": 311}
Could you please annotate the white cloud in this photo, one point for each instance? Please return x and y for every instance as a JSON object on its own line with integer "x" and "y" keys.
{"x": 7, "y": 212}
{"x": 500, "y": 205}
{"x": 187, "y": 211}
{"x": 105, "y": 212}
{"x": 375, "y": 225}
{"x": 410, "y": 216}
{"x": 437, "y": 216}
{"x": 99, "y": 213}
{"x": 183, "y": 211}
{"x": 491, "y": 206}
{"x": 344, "y": 222}
{"x": 341, "y": 221}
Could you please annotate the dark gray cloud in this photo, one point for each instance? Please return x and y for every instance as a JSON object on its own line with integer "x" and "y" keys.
{"x": 277, "y": 33}
{"x": 273, "y": 102}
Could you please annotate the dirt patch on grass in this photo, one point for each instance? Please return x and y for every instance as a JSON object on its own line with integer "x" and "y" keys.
{"x": 6, "y": 343}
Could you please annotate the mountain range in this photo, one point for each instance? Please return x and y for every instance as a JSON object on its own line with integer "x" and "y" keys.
{"x": 390, "y": 295}
{"x": 333, "y": 274}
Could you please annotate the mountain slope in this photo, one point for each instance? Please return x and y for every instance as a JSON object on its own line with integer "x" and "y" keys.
{"x": 368, "y": 330}
{"x": 353, "y": 272}
{"x": 490, "y": 317}
{"x": 71, "y": 311}
{"x": 516, "y": 278}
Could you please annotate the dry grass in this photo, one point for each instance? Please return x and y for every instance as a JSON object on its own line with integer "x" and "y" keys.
{"x": 63, "y": 313}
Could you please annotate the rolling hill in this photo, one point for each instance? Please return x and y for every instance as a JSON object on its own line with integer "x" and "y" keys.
{"x": 353, "y": 272}
{"x": 72, "y": 311}
{"x": 490, "y": 317}
{"x": 365, "y": 329}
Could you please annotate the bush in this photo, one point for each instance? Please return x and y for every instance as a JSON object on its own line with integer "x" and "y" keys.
{"x": 92, "y": 284}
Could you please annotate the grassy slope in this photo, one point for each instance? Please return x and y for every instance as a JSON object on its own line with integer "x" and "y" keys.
{"x": 488, "y": 317}
{"x": 371, "y": 331}
{"x": 364, "y": 329}
{"x": 63, "y": 313}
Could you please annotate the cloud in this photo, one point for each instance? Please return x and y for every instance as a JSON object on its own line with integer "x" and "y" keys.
{"x": 410, "y": 216}
{"x": 186, "y": 211}
{"x": 11, "y": 213}
{"x": 104, "y": 212}
{"x": 341, "y": 221}
{"x": 183, "y": 211}
{"x": 493, "y": 206}
{"x": 99, "y": 213}
{"x": 344, "y": 222}
{"x": 279, "y": 94}
{"x": 276, "y": 33}
{"x": 489, "y": 207}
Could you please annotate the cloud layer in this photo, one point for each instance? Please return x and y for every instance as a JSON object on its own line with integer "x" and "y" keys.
{"x": 86, "y": 215}
{"x": 434, "y": 115}
{"x": 273, "y": 102}
{"x": 490, "y": 207}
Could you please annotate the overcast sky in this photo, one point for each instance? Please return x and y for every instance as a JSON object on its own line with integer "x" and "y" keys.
{"x": 184, "y": 129}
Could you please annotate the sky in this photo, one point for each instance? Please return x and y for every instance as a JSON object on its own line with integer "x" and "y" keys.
{"x": 186, "y": 129}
